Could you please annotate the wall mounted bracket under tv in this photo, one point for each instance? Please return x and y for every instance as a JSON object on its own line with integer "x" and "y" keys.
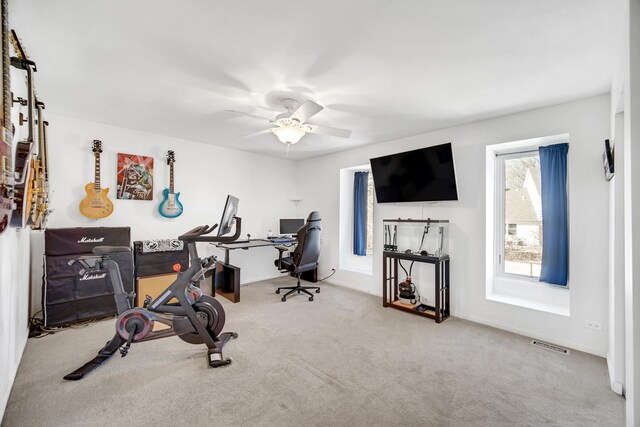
{"x": 423, "y": 175}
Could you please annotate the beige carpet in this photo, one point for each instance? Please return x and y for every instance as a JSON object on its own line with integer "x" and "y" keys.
{"x": 341, "y": 360}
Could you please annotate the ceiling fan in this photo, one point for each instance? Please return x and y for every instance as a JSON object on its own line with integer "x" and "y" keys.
{"x": 291, "y": 126}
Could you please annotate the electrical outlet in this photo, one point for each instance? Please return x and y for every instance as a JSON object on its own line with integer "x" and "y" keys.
{"x": 592, "y": 325}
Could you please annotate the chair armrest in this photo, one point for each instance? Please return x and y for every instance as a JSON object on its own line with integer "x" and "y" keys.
{"x": 281, "y": 250}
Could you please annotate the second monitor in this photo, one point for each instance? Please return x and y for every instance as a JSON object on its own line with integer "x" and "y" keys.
{"x": 290, "y": 226}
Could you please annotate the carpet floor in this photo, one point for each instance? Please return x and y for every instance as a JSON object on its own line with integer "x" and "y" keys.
{"x": 341, "y": 360}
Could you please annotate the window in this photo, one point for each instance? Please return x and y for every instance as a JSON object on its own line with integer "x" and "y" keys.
{"x": 514, "y": 211}
{"x": 348, "y": 260}
{"x": 520, "y": 216}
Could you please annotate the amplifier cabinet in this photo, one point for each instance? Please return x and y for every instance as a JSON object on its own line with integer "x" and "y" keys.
{"x": 153, "y": 286}
{"x": 82, "y": 240}
{"x": 71, "y": 295}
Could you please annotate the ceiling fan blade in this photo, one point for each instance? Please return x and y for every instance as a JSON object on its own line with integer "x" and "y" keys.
{"x": 260, "y": 132}
{"x": 324, "y": 130}
{"x": 306, "y": 111}
{"x": 249, "y": 115}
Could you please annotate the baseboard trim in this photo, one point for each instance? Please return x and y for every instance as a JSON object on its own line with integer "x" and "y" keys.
{"x": 364, "y": 291}
{"x": 616, "y": 387}
{"x": 532, "y": 334}
{"x": 260, "y": 279}
{"x": 520, "y": 331}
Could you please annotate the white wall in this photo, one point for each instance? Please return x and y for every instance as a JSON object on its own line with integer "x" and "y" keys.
{"x": 14, "y": 300}
{"x": 632, "y": 213}
{"x": 14, "y": 277}
{"x": 204, "y": 174}
{"x": 587, "y": 122}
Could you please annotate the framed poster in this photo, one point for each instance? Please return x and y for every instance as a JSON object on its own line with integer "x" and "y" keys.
{"x": 135, "y": 177}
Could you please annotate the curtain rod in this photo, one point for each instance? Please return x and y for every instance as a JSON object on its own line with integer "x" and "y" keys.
{"x": 535, "y": 150}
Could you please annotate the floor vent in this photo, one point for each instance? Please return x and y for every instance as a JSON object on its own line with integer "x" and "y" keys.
{"x": 550, "y": 347}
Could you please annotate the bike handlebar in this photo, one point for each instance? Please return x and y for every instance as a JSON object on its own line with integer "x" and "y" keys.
{"x": 198, "y": 233}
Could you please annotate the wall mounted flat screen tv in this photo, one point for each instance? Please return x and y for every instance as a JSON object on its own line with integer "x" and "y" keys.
{"x": 423, "y": 175}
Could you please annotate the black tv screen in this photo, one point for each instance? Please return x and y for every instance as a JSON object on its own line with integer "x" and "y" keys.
{"x": 423, "y": 175}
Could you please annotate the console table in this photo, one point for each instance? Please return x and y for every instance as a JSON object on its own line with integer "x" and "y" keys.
{"x": 440, "y": 310}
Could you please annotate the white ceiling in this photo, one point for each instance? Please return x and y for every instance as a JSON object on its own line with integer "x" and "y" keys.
{"x": 385, "y": 69}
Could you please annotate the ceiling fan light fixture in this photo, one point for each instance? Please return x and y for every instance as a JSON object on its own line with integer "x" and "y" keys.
{"x": 288, "y": 134}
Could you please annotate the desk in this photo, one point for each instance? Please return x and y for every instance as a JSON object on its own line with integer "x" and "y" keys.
{"x": 227, "y": 277}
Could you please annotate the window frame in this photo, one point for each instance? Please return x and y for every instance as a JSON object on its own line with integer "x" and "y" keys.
{"x": 499, "y": 210}
{"x": 370, "y": 208}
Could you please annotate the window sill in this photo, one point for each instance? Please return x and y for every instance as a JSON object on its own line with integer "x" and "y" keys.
{"x": 530, "y": 294}
{"x": 357, "y": 264}
{"x": 533, "y": 305}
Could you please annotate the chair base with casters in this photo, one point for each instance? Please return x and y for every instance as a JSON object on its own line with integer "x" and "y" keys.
{"x": 298, "y": 288}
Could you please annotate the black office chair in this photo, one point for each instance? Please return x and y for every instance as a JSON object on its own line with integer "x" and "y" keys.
{"x": 304, "y": 257}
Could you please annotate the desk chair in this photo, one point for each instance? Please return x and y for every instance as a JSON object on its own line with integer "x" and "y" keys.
{"x": 304, "y": 257}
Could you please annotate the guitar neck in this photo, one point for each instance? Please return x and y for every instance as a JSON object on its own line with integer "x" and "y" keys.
{"x": 6, "y": 85}
{"x": 171, "y": 179}
{"x": 45, "y": 153}
{"x": 96, "y": 182}
{"x": 42, "y": 155}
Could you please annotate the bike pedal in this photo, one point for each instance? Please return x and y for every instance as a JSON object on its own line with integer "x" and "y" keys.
{"x": 124, "y": 351}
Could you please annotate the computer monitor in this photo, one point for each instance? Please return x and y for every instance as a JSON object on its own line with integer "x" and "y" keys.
{"x": 230, "y": 211}
{"x": 290, "y": 226}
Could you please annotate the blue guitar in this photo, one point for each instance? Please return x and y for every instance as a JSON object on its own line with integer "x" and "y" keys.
{"x": 170, "y": 207}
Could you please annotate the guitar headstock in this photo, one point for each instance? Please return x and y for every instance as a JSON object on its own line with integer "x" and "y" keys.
{"x": 18, "y": 47}
{"x": 171, "y": 157}
{"x": 97, "y": 146}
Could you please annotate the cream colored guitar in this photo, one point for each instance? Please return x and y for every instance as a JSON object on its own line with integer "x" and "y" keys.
{"x": 96, "y": 205}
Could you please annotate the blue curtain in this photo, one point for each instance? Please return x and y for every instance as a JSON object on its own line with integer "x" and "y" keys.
{"x": 360, "y": 184}
{"x": 555, "y": 233}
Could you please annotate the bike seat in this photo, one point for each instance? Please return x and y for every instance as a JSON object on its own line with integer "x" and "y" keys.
{"x": 104, "y": 250}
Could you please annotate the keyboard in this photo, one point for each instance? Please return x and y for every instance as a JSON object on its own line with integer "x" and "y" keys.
{"x": 283, "y": 240}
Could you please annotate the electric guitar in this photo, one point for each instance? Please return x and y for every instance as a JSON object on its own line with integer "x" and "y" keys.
{"x": 6, "y": 130}
{"x": 170, "y": 207}
{"x": 24, "y": 159}
{"x": 41, "y": 210}
{"x": 96, "y": 205}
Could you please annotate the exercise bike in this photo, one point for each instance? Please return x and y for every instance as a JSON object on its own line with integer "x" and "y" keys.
{"x": 195, "y": 318}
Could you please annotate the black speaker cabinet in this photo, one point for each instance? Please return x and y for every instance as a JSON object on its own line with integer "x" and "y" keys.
{"x": 71, "y": 295}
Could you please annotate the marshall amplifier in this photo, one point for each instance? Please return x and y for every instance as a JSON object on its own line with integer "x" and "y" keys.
{"x": 69, "y": 294}
{"x": 82, "y": 240}
{"x": 154, "y": 257}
